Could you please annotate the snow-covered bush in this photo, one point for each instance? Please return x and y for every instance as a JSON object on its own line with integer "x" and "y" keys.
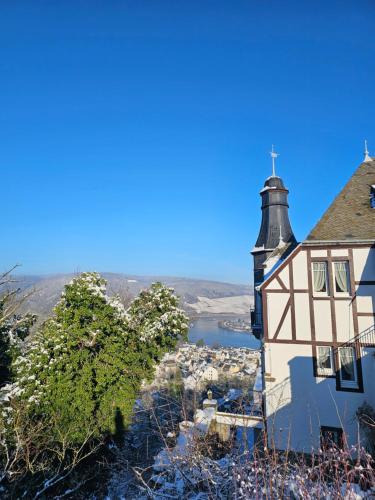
{"x": 198, "y": 466}
{"x": 335, "y": 473}
{"x": 330, "y": 473}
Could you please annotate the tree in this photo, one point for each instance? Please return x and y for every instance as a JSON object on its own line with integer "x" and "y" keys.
{"x": 14, "y": 327}
{"x": 81, "y": 374}
{"x": 13, "y": 331}
{"x": 87, "y": 362}
{"x": 200, "y": 343}
{"x": 155, "y": 316}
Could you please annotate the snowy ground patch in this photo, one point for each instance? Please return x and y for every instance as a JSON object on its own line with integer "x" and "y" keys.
{"x": 237, "y": 304}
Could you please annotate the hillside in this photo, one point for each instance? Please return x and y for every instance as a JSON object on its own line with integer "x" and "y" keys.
{"x": 199, "y": 297}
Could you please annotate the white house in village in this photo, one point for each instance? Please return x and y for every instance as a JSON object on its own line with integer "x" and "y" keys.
{"x": 314, "y": 311}
{"x": 209, "y": 373}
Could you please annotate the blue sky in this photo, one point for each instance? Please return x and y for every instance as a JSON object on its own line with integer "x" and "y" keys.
{"x": 134, "y": 135}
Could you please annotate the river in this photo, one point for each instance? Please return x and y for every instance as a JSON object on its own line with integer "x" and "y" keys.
{"x": 208, "y": 330}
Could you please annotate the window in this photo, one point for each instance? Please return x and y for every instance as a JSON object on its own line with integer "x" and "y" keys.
{"x": 257, "y": 316}
{"x": 348, "y": 369}
{"x": 331, "y": 436}
{"x": 342, "y": 280}
{"x": 372, "y": 196}
{"x": 320, "y": 277}
{"x": 324, "y": 361}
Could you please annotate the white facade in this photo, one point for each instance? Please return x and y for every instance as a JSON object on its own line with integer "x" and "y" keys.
{"x": 309, "y": 312}
{"x": 210, "y": 374}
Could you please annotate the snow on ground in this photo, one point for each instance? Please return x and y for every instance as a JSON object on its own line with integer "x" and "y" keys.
{"x": 237, "y": 304}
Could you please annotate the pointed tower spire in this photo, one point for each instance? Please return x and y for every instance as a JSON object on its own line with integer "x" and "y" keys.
{"x": 367, "y": 156}
{"x": 274, "y": 155}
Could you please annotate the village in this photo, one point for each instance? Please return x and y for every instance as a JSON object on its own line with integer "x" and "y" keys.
{"x": 200, "y": 366}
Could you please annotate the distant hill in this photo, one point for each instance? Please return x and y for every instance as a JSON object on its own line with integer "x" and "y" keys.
{"x": 198, "y": 297}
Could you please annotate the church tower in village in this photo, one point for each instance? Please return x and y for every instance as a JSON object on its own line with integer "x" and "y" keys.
{"x": 275, "y": 233}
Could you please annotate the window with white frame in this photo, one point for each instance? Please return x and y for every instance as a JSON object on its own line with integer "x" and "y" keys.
{"x": 320, "y": 277}
{"x": 324, "y": 361}
{"x": 342, "y": 277}
{"x": 348, "y": 368}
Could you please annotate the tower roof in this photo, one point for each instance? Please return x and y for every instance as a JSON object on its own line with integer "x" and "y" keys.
{"x": 350, "y": 216}
{"x": 274, "y": 182}
{"x": 275, "y": 224}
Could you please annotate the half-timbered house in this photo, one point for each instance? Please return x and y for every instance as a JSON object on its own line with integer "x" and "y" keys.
{"x": 315, "y": 304}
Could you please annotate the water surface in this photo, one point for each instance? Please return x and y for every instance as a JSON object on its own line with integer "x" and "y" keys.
{"x": 208, "y": 330}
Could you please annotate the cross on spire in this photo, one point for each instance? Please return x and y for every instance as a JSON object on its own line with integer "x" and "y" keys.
{"x": 367, "y": 156}
{"x": 274, "y": 155}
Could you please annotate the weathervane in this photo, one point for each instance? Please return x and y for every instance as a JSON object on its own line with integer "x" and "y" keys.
{"x": 367, "y": 156}
{"x": 273, "y": 156}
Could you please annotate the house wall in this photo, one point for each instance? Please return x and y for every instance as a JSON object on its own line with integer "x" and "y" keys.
{"x": 296, "y": 322}
{"x": 298, "y": 403}
{"x": 364, "y": 272}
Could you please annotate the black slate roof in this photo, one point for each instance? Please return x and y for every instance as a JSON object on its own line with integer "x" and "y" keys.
{"x": 274, "y": 182}
{"x": 275, "y": 223}
{"x": 350, "y": 216}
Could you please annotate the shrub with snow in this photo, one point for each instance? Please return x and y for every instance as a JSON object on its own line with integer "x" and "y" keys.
{"x": 331, "y": 473}
{"x": 14, "y": 328}
{"x": 84, "y": 367}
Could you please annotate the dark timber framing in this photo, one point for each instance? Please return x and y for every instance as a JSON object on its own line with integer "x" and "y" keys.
{"x": 286, "y": 310}
{"x": 330, "y": 258}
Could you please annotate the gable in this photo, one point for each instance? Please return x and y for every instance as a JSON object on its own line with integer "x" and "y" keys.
{"x": 280, "y": 271}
